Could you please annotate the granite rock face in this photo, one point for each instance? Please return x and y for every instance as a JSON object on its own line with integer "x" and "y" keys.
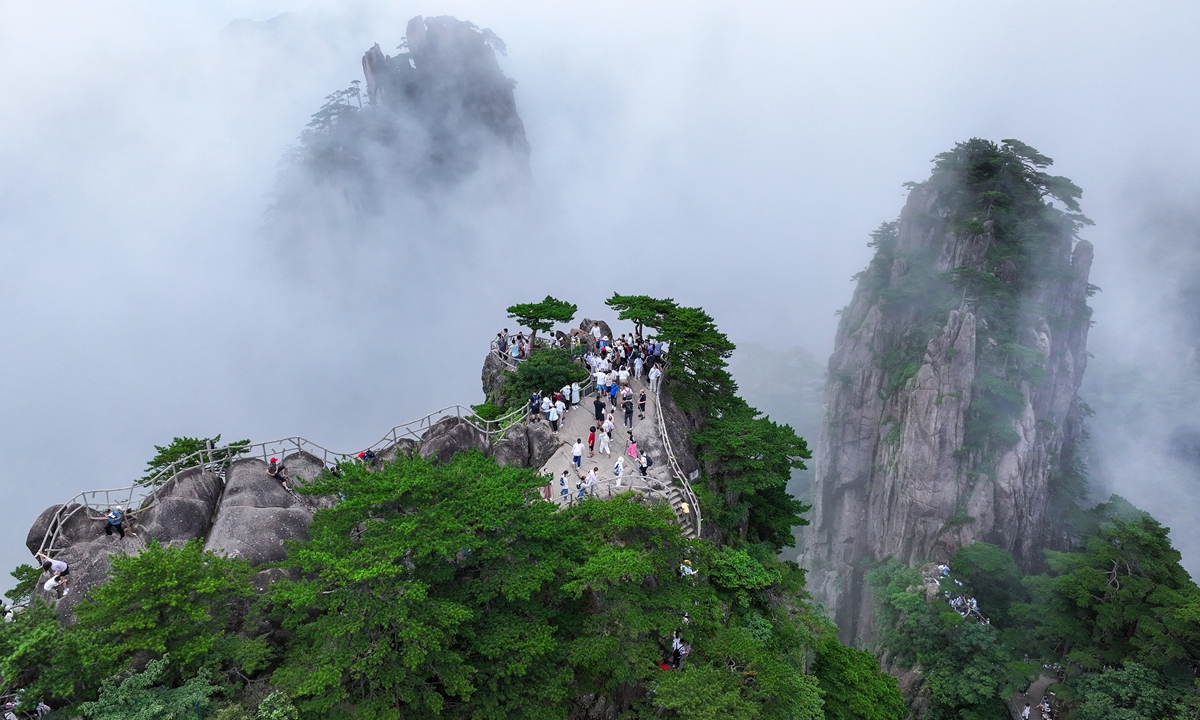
{"x": 513, "y": 448}
{"x": 256, "y": 515}
{"x": 450, "y": 436}
{"x": 183, "y": 509}
{"x": 897, "y": 472}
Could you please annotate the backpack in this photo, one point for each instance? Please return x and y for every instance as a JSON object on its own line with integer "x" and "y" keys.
{"x": 115, "y": 517}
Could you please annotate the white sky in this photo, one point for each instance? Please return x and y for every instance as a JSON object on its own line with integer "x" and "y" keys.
{"x": 734, "y": 159}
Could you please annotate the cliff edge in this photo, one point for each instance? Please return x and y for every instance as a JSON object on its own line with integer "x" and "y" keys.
{"x": 951, "y": 406}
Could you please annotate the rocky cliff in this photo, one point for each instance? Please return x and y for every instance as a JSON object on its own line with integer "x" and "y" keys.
{"x": 438, "y": 121}
{"x": 951, "y": 408}
{"x": 239, "y": 510}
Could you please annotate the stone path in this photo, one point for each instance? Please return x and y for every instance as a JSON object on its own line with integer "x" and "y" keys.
{"x": 1033, "y": 696}
{"x": 658, "y": 482}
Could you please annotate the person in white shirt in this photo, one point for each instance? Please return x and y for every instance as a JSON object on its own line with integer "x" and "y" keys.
{"x": 604, "y": 444}
{"x": 655, "y": 376}
{"x": 547, "y": 403}
{"x": 577, "y": 452}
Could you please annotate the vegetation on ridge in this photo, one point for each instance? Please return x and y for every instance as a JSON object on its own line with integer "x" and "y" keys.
{"x": 452, "y": 590}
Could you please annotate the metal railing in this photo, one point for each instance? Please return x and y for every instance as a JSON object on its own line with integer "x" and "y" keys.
{"x": 688, "y": 494}
{"x": 217, "y": 459}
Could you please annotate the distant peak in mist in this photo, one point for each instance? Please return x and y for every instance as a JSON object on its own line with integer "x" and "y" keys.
{"x": 434, "y": 121}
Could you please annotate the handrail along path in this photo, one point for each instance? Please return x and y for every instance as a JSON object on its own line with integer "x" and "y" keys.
{"x": 217, "y": 459}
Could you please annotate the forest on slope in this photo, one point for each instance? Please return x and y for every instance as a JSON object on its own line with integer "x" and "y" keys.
{"x": 454, "y": 590}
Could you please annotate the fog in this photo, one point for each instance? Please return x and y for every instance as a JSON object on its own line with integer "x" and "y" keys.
{"x": 733, "y": 160}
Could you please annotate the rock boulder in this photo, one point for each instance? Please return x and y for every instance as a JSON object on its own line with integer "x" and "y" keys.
{"x": 256, "y": 515}
{"x": 450, "y": 436}
{"x": 542, "y": 443}
{"x": 513, "y": 448}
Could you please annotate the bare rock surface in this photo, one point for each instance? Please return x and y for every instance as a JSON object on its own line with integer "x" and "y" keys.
{"x": 892, "y": 476}
{"x": 256, "y": 515}
{"x": 513, "y": 448}
{"x": 450, "y": 436}
{"x": 182, "y": 508}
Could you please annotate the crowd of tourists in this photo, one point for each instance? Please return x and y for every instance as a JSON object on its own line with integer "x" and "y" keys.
{"x": 612, "y": 366}
{"x": 961, "y": 603}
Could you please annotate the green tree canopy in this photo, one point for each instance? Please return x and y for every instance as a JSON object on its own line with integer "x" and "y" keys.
{"x": 547, "y": 369}
{"x": 854, "y": 687}
{"x": 643, "y": 310}
{"x": 150, "y": 695}
{"x": 183, "y": 601}
{"x": 543, "y": 315}
{"x": 991, "y": 575}
{"x": 749, "y": 460}
{"x": 1123, "y": 598}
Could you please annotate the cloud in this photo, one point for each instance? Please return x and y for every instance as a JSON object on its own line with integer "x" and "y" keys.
{"x": 734, "y": 160}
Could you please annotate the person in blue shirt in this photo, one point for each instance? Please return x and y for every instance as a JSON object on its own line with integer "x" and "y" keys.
{"x": 114, "y": 520}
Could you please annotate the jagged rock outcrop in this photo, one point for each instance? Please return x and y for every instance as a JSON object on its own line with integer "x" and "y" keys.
{"x": 492, "y": 377}
{"x": 184, "y": 509}
{"x": 449, "y": 93}
{"x": 526, "y": 445}
{"x": 951, "y": 401}
{"x": 438, "y": 120}
{"x": 450, "y": 436}
{"x": 249, "y": 514}
{"x": 256, "y": 515}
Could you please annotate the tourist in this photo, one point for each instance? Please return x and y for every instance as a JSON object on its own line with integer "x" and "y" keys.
{"x": 637, "y": 367}
{"x": 599, "y": 405}
{"x": 619, "y": 469}
{"x": 575, "y": 393}
{"x": 58, "y": 570}
{"x": 591, "y": 441}
{"x": 609, "y": 426}
{"x": 655, "y": 375}
{"x": 643, "y": 464}
{"x": 560, "y": 403}
{"x": 605, "y": 441}
{"x": 676, "y": 650}
{"x": 623, "y": 376}
{"x": 114, "y": 521}
{"x": 535, "y": 406}
{"x": 632, "y": 449}
{"x": 627, "y": 406}
{"x": 641, "y": 404}
{"x": 276, "y": 471}
{"x": 552, "y": 416}
{"x": 577, "y": 452}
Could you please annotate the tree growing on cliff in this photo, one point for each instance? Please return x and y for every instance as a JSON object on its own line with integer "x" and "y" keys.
{"x": 643, "y": 310}
{"x": 547, "y": 369}
{"x": 183, "y": 447}
{"x": 542, "y": 315}
{"x": 749, "y": 460}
